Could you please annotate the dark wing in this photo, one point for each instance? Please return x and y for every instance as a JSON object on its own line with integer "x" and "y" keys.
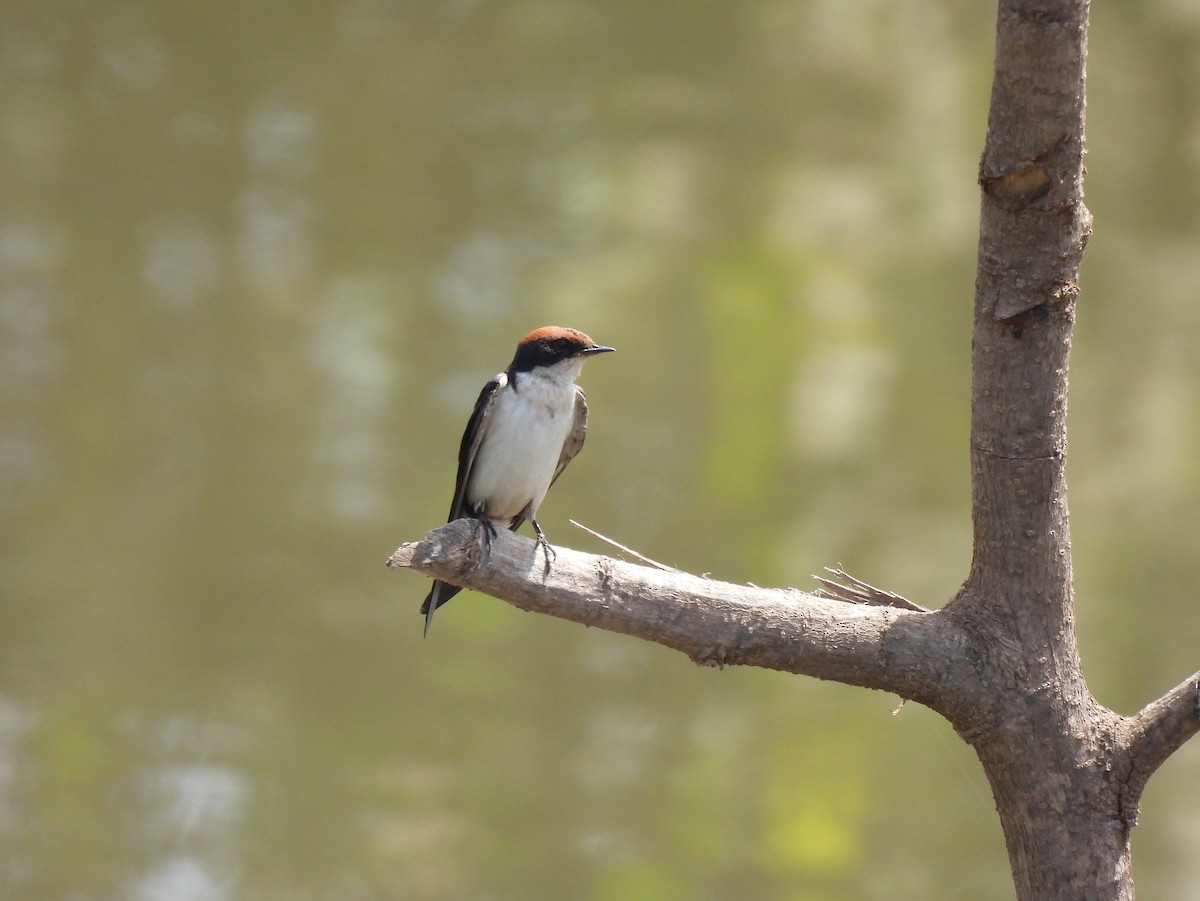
{"x": 467, "y": 451}
{"x": 574, "y": 442}
{"x": 471, "y": 439}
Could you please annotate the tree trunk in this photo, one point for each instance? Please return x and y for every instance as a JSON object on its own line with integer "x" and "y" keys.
{"x": 1060, "y": 803}
{"x": 1046, "y": 744}
{"x": 1000, "y": 660}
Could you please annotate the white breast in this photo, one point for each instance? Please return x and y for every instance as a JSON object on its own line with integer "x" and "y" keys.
{"x": 523, "y": 441}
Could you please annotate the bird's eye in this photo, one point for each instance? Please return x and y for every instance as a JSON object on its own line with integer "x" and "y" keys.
{"x": 562, "y": 345}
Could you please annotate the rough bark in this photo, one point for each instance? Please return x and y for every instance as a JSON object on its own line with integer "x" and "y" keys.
{"x": 883, "y": 645}
{"x": 999, "y": 661}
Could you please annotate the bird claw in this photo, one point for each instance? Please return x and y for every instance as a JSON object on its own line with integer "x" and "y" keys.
{"x": 547, "y": 551}
{"x": 487, "y": 531}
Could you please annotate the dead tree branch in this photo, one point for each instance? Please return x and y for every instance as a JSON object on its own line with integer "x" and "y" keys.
{"x": 913, "y": 654}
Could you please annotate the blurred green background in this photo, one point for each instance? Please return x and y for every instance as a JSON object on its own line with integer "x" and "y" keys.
{"x": 256, "y": 259}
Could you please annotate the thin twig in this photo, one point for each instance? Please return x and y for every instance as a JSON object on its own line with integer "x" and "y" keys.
{"x": 622, "y": 547}
{"x": 856, "y": 591}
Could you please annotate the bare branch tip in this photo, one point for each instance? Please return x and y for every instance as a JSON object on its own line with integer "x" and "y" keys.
{"x": 402, "y": 556}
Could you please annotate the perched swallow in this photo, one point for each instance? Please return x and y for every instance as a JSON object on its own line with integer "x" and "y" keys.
{"x": 529, "y": 423}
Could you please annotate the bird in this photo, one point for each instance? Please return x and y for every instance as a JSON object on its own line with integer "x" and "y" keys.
{"x": 529, "y": 422}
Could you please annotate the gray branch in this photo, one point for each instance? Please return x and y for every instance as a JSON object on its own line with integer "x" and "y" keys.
{"x": 1160, "y": 729}
{"x": 917, "y": 655}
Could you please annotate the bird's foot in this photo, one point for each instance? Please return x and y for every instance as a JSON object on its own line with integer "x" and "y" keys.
{"x": 487, "y": 531}
{"x": 549, "y": 552}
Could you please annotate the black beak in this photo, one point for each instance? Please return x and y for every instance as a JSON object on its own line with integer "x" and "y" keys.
{"x": 599, "y": 349}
